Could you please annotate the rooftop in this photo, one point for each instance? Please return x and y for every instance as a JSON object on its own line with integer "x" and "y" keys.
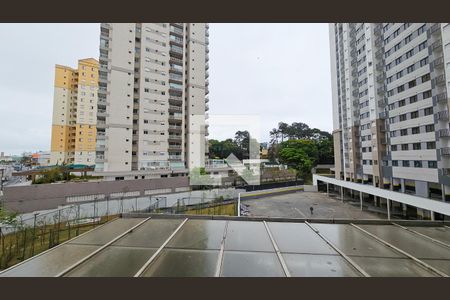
{"x": 151, "y": 245}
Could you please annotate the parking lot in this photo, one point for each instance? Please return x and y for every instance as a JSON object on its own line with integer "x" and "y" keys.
{"x": 297, "y": 205}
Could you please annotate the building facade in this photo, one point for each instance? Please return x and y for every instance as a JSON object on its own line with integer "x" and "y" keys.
{"x": 75, "y": 113}
{"x": 390, "y": 105}
{"x": 153, "y": 96}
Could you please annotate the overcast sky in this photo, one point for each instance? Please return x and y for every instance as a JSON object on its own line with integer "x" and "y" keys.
{"x": 277, "y": 72}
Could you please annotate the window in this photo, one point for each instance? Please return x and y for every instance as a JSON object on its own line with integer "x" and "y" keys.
{"x": 413, "y": 99}
{"x": 428, "y": 111}
{"x": 432, "y": 164}
{"x": 398, "y": 60}
{"x": 426, "y": 94}
{"x": 421, "y": 30}
{"x": 402, "y": 117}
{"x": 393, "y": 147}
{"x": 405, "y": 147}
{"x": 414, "y": 114}
{"x": 429, "y": 128}
{"x": 422, "y": 46}
{"x": 395, "y": 163}
{"x": 410, "y": 69}
{"x": 400, "y": 89}
{"x": 417, "y": 146}
{"x": 426, "y": 77}
{"x": 403, "y": 132}
{"x": 408, "y": 39}
{"x": 410, "y": 53}
{"x": 424, "y": 62}
{"x": 396, "y": 47}
{"x": 417, "y": 164}
{"x": 431, "y": 145}
{"x": 412, "y": 83}
{"x": 415, "y": 130}
{"x": 402, "y": 103}
{"x": 405, "y": 163}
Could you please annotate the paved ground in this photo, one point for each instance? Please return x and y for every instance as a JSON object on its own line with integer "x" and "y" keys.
{"x": 297, "y": 205}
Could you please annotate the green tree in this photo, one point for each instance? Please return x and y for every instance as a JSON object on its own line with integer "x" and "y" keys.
{"x": 301, "y": 155}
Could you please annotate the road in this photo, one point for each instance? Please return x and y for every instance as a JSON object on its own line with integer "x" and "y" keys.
{"x": 297, "y": 205}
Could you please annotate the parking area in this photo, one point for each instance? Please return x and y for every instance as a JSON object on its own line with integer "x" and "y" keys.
{"x": 297, "y": 205}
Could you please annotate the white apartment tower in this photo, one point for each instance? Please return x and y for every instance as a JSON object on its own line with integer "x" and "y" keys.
{"x": 390, "y": 105}
{"x": 153, "y": 96}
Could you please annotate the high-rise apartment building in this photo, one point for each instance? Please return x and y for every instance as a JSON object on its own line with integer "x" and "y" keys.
{"x": 75, "y": 113}
{"x": 390, "y": 105}
{"x": 153, "y": 96}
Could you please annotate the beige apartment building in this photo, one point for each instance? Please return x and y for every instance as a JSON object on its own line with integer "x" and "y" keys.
{"x": 391, "y": 105}
{"x": 153, "y": 97}
{"x": 75, "y": 113}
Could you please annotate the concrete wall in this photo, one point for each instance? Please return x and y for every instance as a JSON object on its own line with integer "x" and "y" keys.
{"x": 23, "y": 199}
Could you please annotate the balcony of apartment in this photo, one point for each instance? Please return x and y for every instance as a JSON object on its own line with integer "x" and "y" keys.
{"x": 101, "y": 113}
{"x": 378, "y": 42}
{"x": 438, "y": 62}
{"x": 355, "y": 93}
{"x": 100, "y": 147}
{"x": 100, "y": 158}
{"x": 176, "y": 51}
{"x": 175, "y": 128}
{"x": 178, "y": 25}
{"x": 178, "y": 30}
{"x": 176, "y": 118}
{"x": 438, "y": 81}
{"x": 446, "y": 172}
{"x": 383, "y": 115}
{"x": 175, "y": 147}
{"x": 437, "y": 45}
{"x": 175, "y": 157}
{"x": 174, "y": 109}
{"x": 175, "y": 60}
{"x": 174, "y": 138}
{"x": 379, "y": 67}
{"x": 206, "y": 107}
{"x": 175, "y": 40}
{"x": 101, "y": 123}
{"x": 379, "y": 54}
{"x": 175, "y": 100}
{"x": 173, "y": 69}
{"x": 443, "y": 133}
{"x": 441, "y": 115}
{"x": 382, "y": 102}
{"x": 380, "y": 90}
{"x": 440, "y": 98}
{"x": 175, "y": 91}
{"x": 381, "y": 78}
{"x": 206, "y": 99}
{"x": 176, "y": 78}
{"x": 445, "y": 151}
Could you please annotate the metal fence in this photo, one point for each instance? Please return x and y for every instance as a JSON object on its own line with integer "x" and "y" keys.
{"x": 33, "y": 233}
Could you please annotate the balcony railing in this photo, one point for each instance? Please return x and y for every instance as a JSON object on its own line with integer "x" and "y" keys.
{"x": 438, "y": 62}
{"x": 440, "y": 98}
{"x": 173, "y": 108}
{"x": 442, "y": 115}
{"x": 445, "y": 151}
{"x": 176, "y": 50}
{"x": 444, "y": 133}
{"x": 174, "y": 147}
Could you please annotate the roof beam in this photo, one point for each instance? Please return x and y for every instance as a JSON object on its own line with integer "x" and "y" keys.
{"x": 155, "y": 255}
{"x": 277, "y": 251}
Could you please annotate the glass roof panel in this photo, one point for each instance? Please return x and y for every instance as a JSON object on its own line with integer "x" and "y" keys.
{"x": 183, "y": 263}
{"x": 107, "y": 232}
{"x": 151, "y": 234}
{"x": 298, "y": 238}
{"x": 354, "y": 242}
{"x": 251, "y": 264}
{"x": 441, "y": 265}
{"x": 199, "y": 234}
{"x": 391, "y": 267}
{"x": 53, "y": 262}
{"x": 308, "y": 265}
{"x": 248, "y": 236}
{"x": 412, "y": 243}
{"x": 439, "y": 233}
{"x": 113, "y": 261}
